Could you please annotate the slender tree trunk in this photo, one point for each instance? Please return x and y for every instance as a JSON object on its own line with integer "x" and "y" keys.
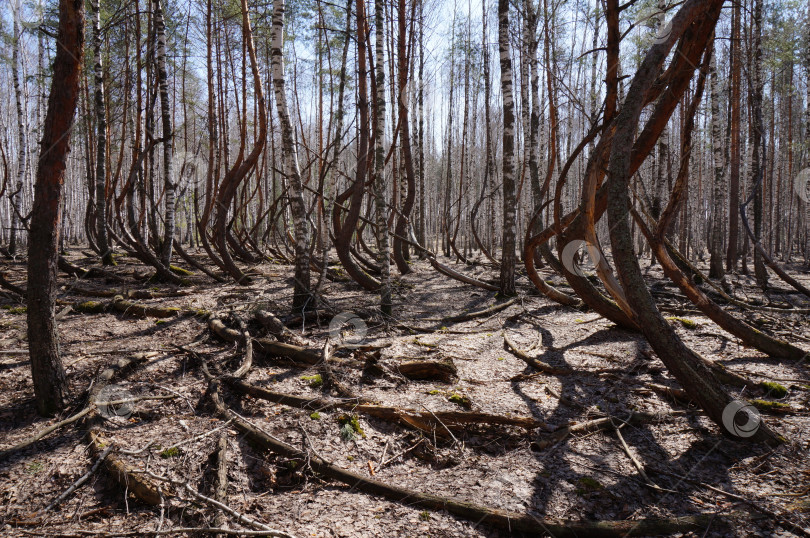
{"x": 508, "y": 257}
{"x": 806, "y": 187}
{"x": 718, "y": 214}
{"x": 734, "y": 168}
{"x": 22, "y": 140}
{"x": 50, "y": 385}
{"x": 101, "y": 142}
{"x": 383, "y": 250}
{"x": 302, "y": 297}
{"x": 760, "y": 149}
{"x": 169, "y": 184}
{"x": 421, "y": 232}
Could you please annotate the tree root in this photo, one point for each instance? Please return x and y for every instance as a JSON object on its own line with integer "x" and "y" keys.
{"x": 276, "y": 328}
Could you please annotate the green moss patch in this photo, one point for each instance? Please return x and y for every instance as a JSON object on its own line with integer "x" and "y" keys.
{"x": 350, "y": 427}
{"x": 315, "y": 381}
{"x": 774, "y": 390}
{"x": 586, "y": 484}
{"x": 460, "y": 400}
{"x": 776, "y": 407}
{"x": 687, "y": 323}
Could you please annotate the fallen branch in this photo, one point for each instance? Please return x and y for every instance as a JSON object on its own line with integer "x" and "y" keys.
{"x": 531, "y": 361}
{"x": 600, "y": 424}
{"x": 78, "y": 483}
{"x": 221, "y": 491}
{"x": 444, "y": 370}
{"x": 409, "y": 417}
{"x": 497, "y": 307}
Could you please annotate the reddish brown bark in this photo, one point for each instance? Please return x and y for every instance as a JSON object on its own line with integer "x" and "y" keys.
{"x": 46, "y": 365}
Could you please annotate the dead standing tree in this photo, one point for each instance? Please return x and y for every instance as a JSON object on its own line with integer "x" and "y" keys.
{"x": 46, "y": 365}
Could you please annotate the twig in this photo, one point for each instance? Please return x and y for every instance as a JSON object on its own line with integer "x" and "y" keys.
{"x": 181, "y": 530}
{"x": 460, "y": 446}
{"x": 78, "y": 483}
{"x": 224, "y": 507}
{"x": 636, "y": 463}
{"x": 400, "y": 454}
{"x": 198, "y": 437}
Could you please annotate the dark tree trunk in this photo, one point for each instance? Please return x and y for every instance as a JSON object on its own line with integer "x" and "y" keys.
{"x": 47, "y": 371}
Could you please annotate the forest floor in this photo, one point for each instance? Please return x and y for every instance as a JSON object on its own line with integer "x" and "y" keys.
{"x": 582, "y": 477}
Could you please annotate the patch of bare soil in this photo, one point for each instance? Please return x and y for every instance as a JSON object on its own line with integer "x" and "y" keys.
{"x": 690, "y": 468}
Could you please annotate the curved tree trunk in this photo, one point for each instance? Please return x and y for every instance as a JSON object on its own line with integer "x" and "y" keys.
{"x": 400, "y": 247}
{"x": 693, "y": 22}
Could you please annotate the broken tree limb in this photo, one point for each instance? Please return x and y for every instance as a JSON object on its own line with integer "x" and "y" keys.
{"x": 297, "y": 354}
{"x": 144, "y": 311}
{"x": 10, "y": 286}
{"x": 221, "y": 491}
{"x": 447, "y": 271}
{"x": 4, "y": 454}
{"x": 330, "y": 379}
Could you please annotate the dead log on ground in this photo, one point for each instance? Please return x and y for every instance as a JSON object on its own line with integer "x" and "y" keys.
{"x": 419, "y": 370}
